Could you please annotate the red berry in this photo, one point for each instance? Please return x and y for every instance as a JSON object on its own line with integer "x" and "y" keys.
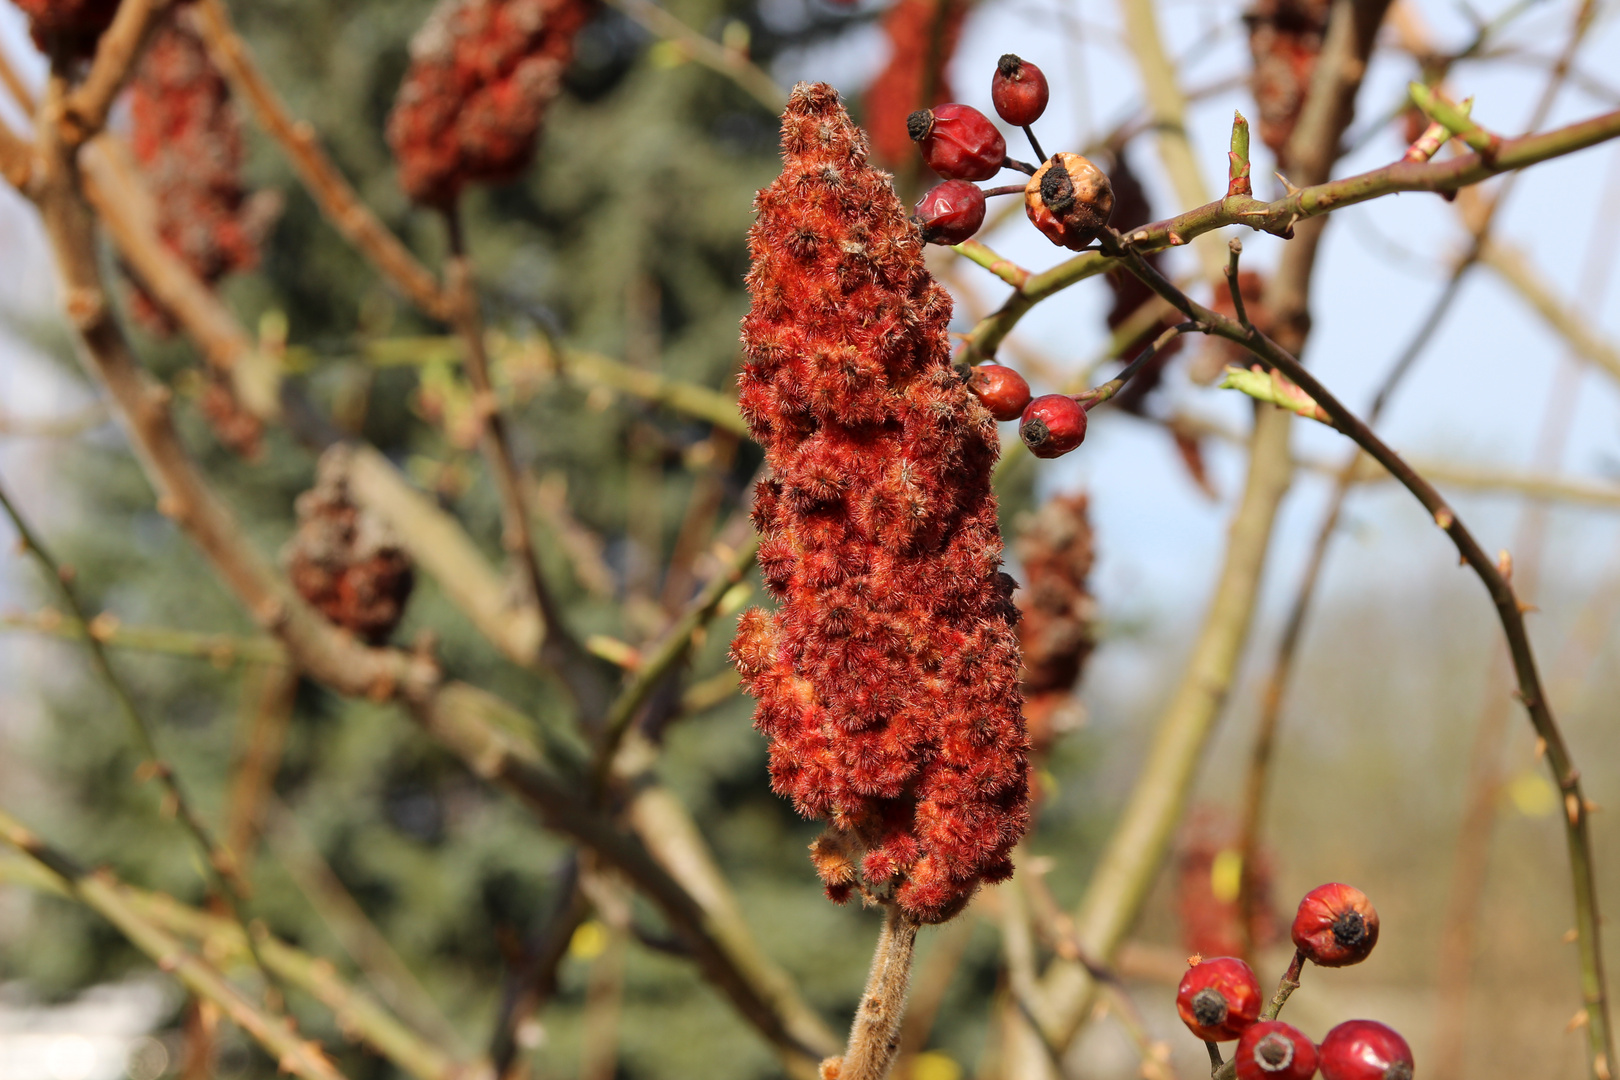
{"x": 950, "y": 213}
{"x": 1273, "y": 1050}
{"x": 1001, "y": 390}
{"x": 958, "y": 141}
{"x": 1365, "y": 1050}
{"x": 1019, "y": 91}
{"x": 1070, "y": 200}
{"x": 1336, "y": 926}
{"x": 1052, "y": 425}
{"x": 1218, "y": 998}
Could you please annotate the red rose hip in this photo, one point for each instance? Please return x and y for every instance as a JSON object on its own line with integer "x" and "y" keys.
{"x": 1001, "y": 390}
{"x": 1365, "y": 1050}
{"x": 1052, "y": 425}
{"x": 1336, "y": 926}
{"x": 1218, "y": 999}
{"x": 1019, "y": 91}
{"x": 1273, "y": 1050}
{"x": 950, "y": 213}
{"x": 958, "y": 141}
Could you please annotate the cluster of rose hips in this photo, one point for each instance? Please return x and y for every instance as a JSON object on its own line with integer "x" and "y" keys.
{"x": 1067, "y": 198}
{"x": 1219, "y": 1000}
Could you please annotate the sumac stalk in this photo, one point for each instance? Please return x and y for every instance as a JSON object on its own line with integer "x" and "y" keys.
{"x": 887, "y": 677}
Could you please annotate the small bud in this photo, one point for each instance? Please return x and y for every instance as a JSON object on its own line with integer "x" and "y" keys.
{"x": 1365, "y": 1050}
{"x": 1219, "y": 999}
{"x": 1273, "y": 1050}
{"x": 1001, "y": 390}
{"x": 1052, "y": 425}
{"x": 1070, "y": 200}
{"x": 1019, "y": 91}
{"x": 958, "y": 141}
{"x": 1336, "y": 926}
{"x": 950, "y": 213}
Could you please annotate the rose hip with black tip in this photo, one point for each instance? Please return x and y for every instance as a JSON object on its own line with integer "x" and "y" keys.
{"x": 958, "y": 141}
{"x": 1019, "y": 90}
{"x": 1218, "y": 999}
{"x": 1273, "y": 1050}
{"x": 1052, "y": 425}
{"x": 950, "y": 213}
{"x": 1070, "y": 200}
{"x": 1365, "y": 1050}
{"x": 1336, "y": 926}
{"x": 1001, "y": 390}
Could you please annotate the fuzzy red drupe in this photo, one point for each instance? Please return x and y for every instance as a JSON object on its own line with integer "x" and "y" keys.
{"x": 188, "y": 140}
{"x": 958, "y": 141}
{"x": 950, "y": 213}
{"x": 1001, "y": 390}
{"x": 1365, "y": 1050}
{"x": 1052, "y": 425}
{"x": 1336, "y": 926}
{"x": 1019, "y": 91}
{"x": 887, "y": 676}
{"x": 1218, "y": 999}
{"x": 482, "y": 73}
{"x": 1273, "y": 1050}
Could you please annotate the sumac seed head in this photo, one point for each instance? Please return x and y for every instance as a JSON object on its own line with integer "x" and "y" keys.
{"x": 1365, "y": 1050}
{"x": 1001, "y": 390}
{"x": 1052, "y": 425}
{"x": 958, "y": 141}
{"x": 950, "y": 213}
{"x": 1218, "y": 999}
{"x": 1273, "y": 1050}
{"x": 1335, "y": 926}
{"x": 1019, "y": 91}
{"x": 1070, "y": 200}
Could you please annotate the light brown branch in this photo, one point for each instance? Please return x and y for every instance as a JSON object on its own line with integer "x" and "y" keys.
{"x": 118, "y": 51}
{"x": 101, "y": 893}
{"x": 326, "y": 185}
{"x": 360, "y": 1018}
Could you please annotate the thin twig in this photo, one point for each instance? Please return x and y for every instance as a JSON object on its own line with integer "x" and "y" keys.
{"x": 221, "y": 871}
{"x": 326, "y": 185}
{"x": 558, "y": 648}
{"x": 732, "y": 63}
{"x": 221, "y": 650}
{"x": 670, "y": 651}
{"x": 100, "y": 892}
{"x": 118, "y": 51}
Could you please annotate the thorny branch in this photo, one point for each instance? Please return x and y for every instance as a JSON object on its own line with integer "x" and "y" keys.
{"x": 1550, "y": 738}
